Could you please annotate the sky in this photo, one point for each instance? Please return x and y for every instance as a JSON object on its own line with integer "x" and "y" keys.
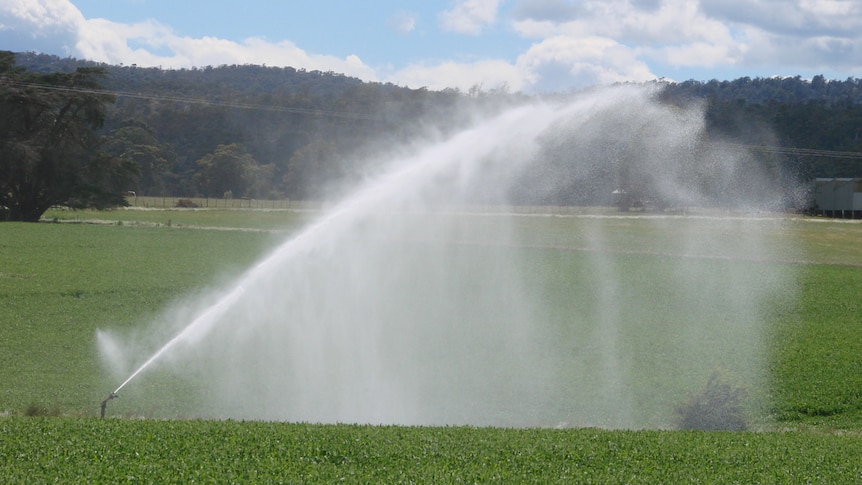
{"x": 531, "y": 46}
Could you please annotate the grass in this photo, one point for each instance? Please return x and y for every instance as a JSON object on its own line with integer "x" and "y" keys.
{"x": 61, "y": 282}
{"x": 816, "y": 348}
{"x": 43, "y": 450}
{"x": 279, "y": 220}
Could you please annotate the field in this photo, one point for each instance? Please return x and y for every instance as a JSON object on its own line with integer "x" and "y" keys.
{"x": 59, "y": 283}
{"x": 42, "y": 450}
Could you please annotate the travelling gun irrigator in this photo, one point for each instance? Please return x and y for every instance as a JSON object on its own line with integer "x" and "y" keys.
{"x": 105, "y": 402}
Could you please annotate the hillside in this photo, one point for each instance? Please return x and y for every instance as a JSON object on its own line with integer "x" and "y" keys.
{"x": 302, "y": 133}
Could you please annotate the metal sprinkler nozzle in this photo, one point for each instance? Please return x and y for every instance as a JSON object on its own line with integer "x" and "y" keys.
{"x": 105, "y": 402}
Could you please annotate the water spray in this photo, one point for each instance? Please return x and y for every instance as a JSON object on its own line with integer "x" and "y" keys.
{"x": 396, "y": 308}
{"x": 364, "y": 199}
{"x": 203, "y": 321}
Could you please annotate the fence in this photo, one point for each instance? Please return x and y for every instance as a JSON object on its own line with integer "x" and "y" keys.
{"x": 215, "y": 203}
{"x": 149, "y": 202}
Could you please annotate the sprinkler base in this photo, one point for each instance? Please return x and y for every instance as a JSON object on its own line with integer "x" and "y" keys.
{"x": 104, "y": 405}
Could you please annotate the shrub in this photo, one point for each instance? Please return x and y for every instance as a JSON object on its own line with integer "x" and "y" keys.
{"x": 717, "y": 408}
{"x": 187, "y": 203}
{"x": 36, "y": 409}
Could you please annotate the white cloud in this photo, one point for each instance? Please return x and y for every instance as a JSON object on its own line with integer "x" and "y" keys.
{"x": 552, "y": 10}
{"x": 796, "y": 17}
{"x": 39, "y": 15}
{"x": 813, "y": 53}
{"x": 403, "y": 22}
{"x": 793, "y": 35}
{"x": 110, "y": 42}
{"x": 558, "y": 63}
{"x": 561, "y": 62}
{"x": 832, "y": 8}
{"x": 698, "y": 54}
{"x": 470, "y": 16}
{"x": 671, "y": 21}
{"x": 489, "y": 74}
{"x": 716, "y": 34}
{"x": 61, "y": 26}
{"x": 612, "y": 40}
{"x": 40, "y": 24}
{"x": 574, "y": 43}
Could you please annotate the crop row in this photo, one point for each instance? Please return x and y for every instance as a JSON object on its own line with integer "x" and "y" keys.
{"x": 70, "y": 450}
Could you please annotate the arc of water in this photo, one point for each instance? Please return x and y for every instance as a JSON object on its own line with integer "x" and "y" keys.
{"x": 206, "y": 318}
{"x": 362, "y": 200}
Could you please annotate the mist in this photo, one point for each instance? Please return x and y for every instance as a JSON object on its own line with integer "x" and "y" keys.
{"x": 424, "y": 297}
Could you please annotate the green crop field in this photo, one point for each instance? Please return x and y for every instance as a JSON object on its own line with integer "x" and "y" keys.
{"x": 59, "y": 283}
{"x": 49, "y": 450}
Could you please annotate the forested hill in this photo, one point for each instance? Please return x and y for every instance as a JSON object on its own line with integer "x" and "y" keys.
{"x": 254, "y": 80}
{"x": 774, "y": 90}
{"x": 205, "y": 81}
{"x": 291, "y": 133}
{"x": 295, "y": 133}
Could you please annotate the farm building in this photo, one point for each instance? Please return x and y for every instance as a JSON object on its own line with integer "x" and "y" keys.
{"x": 839, "y": 197}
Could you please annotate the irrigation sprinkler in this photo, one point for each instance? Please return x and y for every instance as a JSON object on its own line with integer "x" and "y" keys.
{"x": 105, "y": 402}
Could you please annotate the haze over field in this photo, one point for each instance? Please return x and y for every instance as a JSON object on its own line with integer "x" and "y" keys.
{"x": 392, "y": 309}
{"x": 524, "y": 45}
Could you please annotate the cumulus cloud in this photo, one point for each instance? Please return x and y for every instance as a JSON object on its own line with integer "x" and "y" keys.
{"x": 111, "y": 42}
{"x": 799, "y": 34}
{"x": 403, "y": 22}
{"x": 563, "y": 44}
{"x": 57, "y": 25}
{"x": 798, "y": 17}
{"x": 546, "y": 10}
{"x": 708, "y": 33}
{"x": 469, "y": 16}
{"x": 487, "y": 74}
{"x": 561, "y": 62}
{"x": 41, "y": 25}
{"x": 671, "y": 21}
{"x": 576, "y": 43}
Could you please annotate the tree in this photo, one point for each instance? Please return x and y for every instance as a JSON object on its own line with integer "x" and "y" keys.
{"x": 49, "y": 146}
{"x": 230, "y": 168}
{"x": 312, "y": 169}
{"x": 136, "y": 142}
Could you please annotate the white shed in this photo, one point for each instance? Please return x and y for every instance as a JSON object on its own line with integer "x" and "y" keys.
{"x": 839, "y": 197}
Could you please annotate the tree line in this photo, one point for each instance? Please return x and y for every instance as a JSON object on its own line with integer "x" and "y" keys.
{"x": 802, "y": 116}
{"x": 80, "y": 134}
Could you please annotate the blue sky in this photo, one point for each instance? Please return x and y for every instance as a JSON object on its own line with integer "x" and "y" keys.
{"x": 526, "y": 45}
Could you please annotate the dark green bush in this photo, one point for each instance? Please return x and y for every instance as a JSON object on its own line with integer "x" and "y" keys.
{"x": 35, "y": 409}
{"x": 187, "y": 203}
{"x": 717, "y": 408}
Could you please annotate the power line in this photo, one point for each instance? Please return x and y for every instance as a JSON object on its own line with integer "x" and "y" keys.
{"x": 805, "y": 152}
{"x": 187, "y": 100}
{"x": 809, "y": 152}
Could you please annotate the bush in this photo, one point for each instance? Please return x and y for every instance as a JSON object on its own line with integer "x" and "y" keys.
{"x": 187, "y": 203}
{"x": 36, "y": 409}
{"x": 717, "y": 408}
